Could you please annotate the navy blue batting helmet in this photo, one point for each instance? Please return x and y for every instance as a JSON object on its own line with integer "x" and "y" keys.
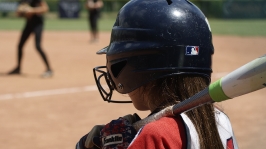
{"x": 152, "y": 39}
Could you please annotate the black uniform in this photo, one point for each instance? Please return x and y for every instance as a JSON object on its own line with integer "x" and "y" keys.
{"x": 94, "y": 15}
{"x": 34, "y": 24}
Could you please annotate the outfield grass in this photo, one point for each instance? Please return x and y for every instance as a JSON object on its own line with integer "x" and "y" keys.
{"x": 239, "y": 27}
{"x": 219, "y": 26}
{"x": 57, "y": 24}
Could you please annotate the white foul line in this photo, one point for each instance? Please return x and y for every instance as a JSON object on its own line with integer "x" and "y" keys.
{"x": 48, "y": 92}
{"x": 67, "y": 90}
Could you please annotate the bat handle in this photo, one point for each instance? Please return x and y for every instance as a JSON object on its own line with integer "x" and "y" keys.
{"x": 197, "y": 100}
{"x": 194, "y": 101}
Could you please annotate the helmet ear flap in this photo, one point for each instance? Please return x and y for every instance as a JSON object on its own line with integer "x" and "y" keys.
{"x": 118, "y": 67}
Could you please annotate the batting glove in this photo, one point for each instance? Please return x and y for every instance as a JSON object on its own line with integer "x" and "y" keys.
{"x": 91, "y": 140}
{"x": 119, "y": 133}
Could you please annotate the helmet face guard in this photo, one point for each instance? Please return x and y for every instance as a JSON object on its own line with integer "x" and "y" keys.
{"x": 106, "y": 95}
{"x": 158, "y": 40}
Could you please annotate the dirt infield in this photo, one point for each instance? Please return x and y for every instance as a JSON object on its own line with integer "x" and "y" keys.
{"x": 54, "y": 113}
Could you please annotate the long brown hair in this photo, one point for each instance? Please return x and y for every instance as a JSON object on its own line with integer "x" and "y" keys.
{"x": 168, "y": 91}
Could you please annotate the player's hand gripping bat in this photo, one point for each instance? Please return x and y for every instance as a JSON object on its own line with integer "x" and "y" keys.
{"x": 247, "y": 78}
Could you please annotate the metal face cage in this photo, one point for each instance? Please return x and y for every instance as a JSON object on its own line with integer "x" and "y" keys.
{"x": 105, "y": 91}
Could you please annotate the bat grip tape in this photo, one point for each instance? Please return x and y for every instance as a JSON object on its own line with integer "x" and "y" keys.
{"x": 216, "y": 91}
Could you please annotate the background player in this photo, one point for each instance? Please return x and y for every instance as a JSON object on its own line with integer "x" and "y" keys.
{"x": 94, "y": 9}
{"x": 32, "y": 11}
{"x": 147, "y": 59}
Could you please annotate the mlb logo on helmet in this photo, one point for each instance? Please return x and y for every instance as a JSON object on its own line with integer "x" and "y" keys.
{"x": 192, "y": 50}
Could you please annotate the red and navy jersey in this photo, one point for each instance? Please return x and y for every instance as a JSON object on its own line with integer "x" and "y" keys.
{"x": 179, "y": 133}
{"x": 168, "y": 132}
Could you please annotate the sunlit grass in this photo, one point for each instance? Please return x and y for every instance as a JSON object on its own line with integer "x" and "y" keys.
{"x": 241, "y": 27}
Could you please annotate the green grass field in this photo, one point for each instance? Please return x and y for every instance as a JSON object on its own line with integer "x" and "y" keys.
{"x": 239, "y": 27}
{"x": 56, "y": 24}
{"x": 249, "y": 27}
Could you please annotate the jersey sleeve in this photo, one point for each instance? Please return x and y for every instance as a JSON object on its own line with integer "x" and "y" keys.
{"x": 225, "y": 130}
{"x": 164, "y": 133}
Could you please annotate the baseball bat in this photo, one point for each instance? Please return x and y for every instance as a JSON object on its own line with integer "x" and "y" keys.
{"x": 247, "y": 78}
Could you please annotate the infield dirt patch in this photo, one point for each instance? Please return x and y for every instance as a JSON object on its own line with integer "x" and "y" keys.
{"x": 55, "y": 112}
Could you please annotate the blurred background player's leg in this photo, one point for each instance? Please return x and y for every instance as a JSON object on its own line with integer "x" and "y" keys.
{"x": 24, "y": 36}
{"x": 38, "y": 37}
{"x": 93, "y": 20}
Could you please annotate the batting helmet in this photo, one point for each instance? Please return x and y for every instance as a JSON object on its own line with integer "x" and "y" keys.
{"x": 155, "y": 39}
